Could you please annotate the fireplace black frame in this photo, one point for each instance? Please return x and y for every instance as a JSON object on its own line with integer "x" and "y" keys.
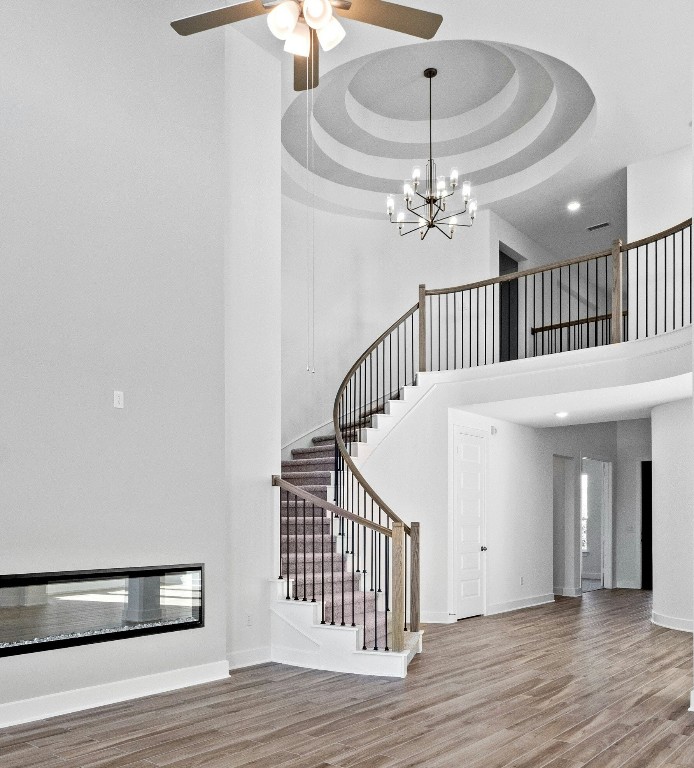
{"x": 57, "y": 577}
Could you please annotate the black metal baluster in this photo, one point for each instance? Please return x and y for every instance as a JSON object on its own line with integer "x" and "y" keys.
{"x": 455, "y": 331}
{"x": 484, "y": 324}
{"x": 304, "y": 540}
{"x": 648, "y": 274}
{"x": 493, "y": 286}
{"x": 387, "y": 580}
{"x": 286, "y": 494}
{"x": 377, "y": 536}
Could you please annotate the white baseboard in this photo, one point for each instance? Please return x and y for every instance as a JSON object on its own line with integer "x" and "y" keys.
{"x": 628, "y": 585}
{"x": 568, "y": 591}
{"x": 670, "y": 622}
{"x": 41, "y": 707}
{"x": 434, "y": 617}
{"x": 591, "y": 576}
{"x": 515, "y": 605}
{"x": 691, "y": 702}
{"x": 250, "y": 658}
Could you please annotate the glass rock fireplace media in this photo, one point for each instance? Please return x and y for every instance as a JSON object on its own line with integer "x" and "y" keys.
{"x": 40, "y": 611}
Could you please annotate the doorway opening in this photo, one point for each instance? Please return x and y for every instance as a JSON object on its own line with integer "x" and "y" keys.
{"x": 508, "y": 309}
{"x": 596, "y": 524}
{"x": 646, "y": 525}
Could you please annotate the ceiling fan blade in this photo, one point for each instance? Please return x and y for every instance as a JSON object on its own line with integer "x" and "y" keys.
{"x": 411, "y": 21}
{"x": 218, "y": 18}
{"x": 306, "y": 67}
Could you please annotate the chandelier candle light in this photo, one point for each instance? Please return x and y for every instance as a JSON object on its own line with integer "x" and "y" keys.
{"x": 292, "y": 20}
{"x": 431, "y": 212}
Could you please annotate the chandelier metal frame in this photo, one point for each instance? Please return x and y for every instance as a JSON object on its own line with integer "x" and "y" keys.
{"x": 431, "y": 211}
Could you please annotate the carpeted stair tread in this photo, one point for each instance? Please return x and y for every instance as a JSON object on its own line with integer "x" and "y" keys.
{"x": 315, "y": 451}
{"x": 319, "y": 464}
{"x": 307, "y": 541}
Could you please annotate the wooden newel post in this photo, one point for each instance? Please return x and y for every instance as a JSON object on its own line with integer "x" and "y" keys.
{"x": 422, "y": 328}
{"x": 398, "y": 607}
{"x": 414, "y": 577}
{"x": 617, "y": 336}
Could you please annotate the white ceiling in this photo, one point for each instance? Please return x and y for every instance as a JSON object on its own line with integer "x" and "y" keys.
{"x": 634, "y": 401}
{"x": 634, "y": 57}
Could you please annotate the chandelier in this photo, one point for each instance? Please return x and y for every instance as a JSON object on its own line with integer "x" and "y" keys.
{"x": 293, "y": 20}
{"x": 431, "y": 212}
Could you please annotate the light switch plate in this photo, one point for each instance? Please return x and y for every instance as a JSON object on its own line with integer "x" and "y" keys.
{"x": 118, "y": 399}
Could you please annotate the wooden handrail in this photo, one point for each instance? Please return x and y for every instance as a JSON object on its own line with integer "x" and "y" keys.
{"x": 659, "y": 236}
{"x": 341, "y": 446}
{"x": 572, "y": 323}
{"x": 558, "y": 264}
{"x": 328, "y": 506}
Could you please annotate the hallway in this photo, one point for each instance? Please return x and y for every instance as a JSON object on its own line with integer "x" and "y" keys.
{"x": 587, "y": 682}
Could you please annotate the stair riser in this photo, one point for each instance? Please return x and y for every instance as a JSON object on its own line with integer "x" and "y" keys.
{"x": 298, "y": 513}
{"x": 317, "y": 452}
{"x": 308, "y": 479}
{"x": 335, "y": 568}
{"x": 320, "y": 491}
{"x": 305, "y": 465}
{"x": 308, "y": 544}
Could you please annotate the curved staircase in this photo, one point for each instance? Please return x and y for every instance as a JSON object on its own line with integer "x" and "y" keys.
{"x": 321, "y": 571}
{"x": 348, "y": 563}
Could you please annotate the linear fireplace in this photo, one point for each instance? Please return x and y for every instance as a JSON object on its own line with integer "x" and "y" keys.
{"x": 41, "y": 611}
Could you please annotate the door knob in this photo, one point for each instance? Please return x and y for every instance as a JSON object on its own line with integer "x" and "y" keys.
{"x": 483, "y": 549}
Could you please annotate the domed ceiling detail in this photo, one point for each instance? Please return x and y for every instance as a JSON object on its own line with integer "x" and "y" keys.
{"x": 507, "y": 117}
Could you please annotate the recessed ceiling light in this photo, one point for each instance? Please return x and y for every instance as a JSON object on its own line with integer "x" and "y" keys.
{"x": 573, "y": 206}
{"x": 561, "y": 414}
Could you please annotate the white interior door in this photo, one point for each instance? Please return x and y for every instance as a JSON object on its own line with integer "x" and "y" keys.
{"x": 468, "y": 500}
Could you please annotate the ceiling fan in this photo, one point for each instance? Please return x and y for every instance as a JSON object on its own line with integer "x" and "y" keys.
{"x": 305, "y": 23}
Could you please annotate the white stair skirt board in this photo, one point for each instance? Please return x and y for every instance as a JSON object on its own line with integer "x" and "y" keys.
{"x": 691, "y": 702}
{"x": 671, "y": 622}
{"x": 515, "y": 605}
{"x": 383, "y": 423}
{"x": 300, "y": 640}
{"x": 29, "y": 710}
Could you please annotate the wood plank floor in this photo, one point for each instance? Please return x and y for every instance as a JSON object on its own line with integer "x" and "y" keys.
{"x": 579, "y": 683}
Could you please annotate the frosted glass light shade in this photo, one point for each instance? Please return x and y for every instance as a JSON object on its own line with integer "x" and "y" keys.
{"x": 299, "y": 42}
{"x": 332, "y": 34}
{"x": 283, "y": 18}
{"x": 317, "y": 13}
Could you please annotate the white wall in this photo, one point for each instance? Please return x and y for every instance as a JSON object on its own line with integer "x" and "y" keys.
{"x": 659, "y": 193}
{"x": 532, "y": 254}
{"x": 366, "y": 276}
{"x": 253, "y": 342}
{"x": 673, "y": 499}
{"x": 410, "y": 469}
{"x": 111, "y": 277}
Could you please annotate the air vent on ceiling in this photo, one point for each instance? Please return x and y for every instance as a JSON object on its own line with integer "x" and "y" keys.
{"x": 599, "y": 226}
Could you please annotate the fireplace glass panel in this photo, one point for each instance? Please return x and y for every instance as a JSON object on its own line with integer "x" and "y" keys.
{"x": 41, "y": 611}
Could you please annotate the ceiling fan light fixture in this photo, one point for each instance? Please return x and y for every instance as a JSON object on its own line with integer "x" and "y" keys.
{"x": 317, "y": 13}
{"x": 299, "y": 42}
{"x": 283, "y": 19}
{"x": 331, "y": 35}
